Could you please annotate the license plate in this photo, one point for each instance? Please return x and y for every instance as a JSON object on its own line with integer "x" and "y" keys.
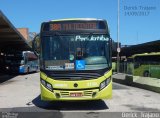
{"x": 75, "y": 94}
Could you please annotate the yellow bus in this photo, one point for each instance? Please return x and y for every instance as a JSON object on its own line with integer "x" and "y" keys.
{"x": 75, "y": 59}
{"x": 146, "y": 65}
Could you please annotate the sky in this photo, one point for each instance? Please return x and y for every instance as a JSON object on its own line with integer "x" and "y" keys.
{"x": 139, "y": 19}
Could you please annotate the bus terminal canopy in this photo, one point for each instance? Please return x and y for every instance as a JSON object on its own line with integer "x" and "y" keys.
{"x": 10, "y": 38}
{"x": 148, "y": 47}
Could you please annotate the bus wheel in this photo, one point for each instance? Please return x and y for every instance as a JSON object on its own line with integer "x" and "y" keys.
{"x": 146, "y": 74}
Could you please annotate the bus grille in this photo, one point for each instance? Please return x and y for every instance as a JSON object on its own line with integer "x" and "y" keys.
{"x": 64, "y": 93}
{"x": 74, "y": 76}
{"x": 87, "y": 93}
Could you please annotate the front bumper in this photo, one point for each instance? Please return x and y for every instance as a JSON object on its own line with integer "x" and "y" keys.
{"x": 86, "y": 94}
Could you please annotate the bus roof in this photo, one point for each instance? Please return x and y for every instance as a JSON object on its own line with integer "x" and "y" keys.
{"x": 145, "y": 54}
{"x": 77, "y": 19}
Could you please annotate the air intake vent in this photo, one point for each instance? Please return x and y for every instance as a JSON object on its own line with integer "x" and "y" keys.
{"x": 75, "y": 75}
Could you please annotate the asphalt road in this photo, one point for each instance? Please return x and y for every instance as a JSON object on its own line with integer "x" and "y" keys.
{"x": 22, "y": 94}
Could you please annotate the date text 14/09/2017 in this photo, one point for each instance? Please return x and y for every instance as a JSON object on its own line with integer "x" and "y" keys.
{"x": 136, "y": 13}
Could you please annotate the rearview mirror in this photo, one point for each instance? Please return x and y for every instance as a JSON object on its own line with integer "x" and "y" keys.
{"x": 36, "y": 44}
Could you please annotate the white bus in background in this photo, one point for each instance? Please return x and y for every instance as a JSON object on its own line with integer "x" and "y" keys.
{"x": 21, "y": 62}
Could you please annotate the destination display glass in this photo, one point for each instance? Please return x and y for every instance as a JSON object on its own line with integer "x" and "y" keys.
{"x": 73, "y": 26}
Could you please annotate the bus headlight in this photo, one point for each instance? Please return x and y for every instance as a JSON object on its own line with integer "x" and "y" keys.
{"x": 47, "y": 85}
{"x": 7, "y": 67}
{"x": 105, "y": 83}
{"x": 43, "y": 82}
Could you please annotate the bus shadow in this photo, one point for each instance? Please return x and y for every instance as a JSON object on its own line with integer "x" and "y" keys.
{"x": 6, "y": 77}
{"x": 29, "y": 73}
{"x": 68, "y": 105}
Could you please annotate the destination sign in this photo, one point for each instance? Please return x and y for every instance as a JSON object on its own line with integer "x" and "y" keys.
{"x": 73, "y": 26}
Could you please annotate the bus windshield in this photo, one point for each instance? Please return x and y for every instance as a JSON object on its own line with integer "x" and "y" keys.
{"x": 75, "y": 52}
{"x": 14, "y": 59}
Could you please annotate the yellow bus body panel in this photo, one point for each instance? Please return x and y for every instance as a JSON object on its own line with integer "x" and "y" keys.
{"x": 86, "y": 87}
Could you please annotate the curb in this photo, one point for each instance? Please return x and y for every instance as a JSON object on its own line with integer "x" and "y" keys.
{"x": 129, "y": 80}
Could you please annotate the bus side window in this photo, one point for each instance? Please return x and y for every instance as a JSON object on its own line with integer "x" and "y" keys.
{"x": 25, "y": 58}
{"x": 136, "y": 65}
